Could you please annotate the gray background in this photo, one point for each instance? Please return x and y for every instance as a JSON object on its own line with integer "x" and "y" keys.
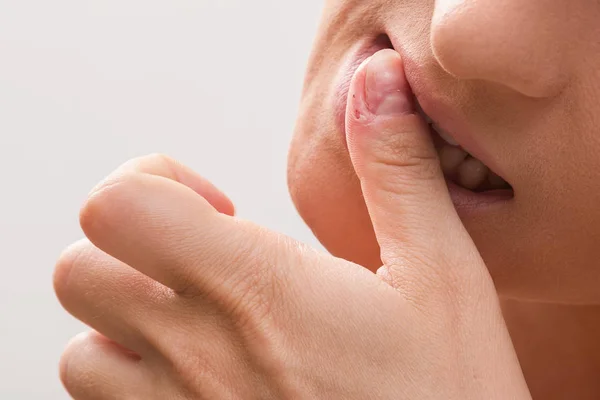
{"x": 86, "y": 85}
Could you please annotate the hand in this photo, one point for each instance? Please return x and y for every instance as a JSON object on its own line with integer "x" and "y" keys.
{"x": 189, "y": 302}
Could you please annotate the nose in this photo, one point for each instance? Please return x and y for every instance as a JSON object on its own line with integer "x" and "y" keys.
{"x": 520, "y": 44}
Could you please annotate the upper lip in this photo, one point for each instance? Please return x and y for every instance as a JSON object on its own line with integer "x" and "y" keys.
{"x": 447, "y": 117}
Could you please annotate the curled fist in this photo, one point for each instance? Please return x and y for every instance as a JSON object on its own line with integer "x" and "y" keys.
{"x": 189, "y": 302}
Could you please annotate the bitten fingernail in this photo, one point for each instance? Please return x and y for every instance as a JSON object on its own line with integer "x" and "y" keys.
{"x": 387, "y": 92}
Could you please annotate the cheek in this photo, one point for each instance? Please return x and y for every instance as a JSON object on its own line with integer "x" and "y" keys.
{"x": 546, "y": 247}
{"x": 327, "y": 192}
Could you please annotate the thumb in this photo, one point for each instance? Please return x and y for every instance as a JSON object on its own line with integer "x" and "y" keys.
{"x": 423, "y": 242}
{"x": 428, "y": 255}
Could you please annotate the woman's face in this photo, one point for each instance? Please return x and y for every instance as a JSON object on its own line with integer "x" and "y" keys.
{"x": 517, "y": 84}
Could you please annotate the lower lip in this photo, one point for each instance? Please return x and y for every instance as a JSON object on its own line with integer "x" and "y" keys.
{"x": 465, "y": 201}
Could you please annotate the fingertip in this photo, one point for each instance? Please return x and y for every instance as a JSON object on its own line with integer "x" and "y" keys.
{"x": 162, "y": 165}
{"x": 190, "y": 178}
{"x": 380, "y": 107}
{"x": 378, "y": 89}
{"x": 216, "y": 198}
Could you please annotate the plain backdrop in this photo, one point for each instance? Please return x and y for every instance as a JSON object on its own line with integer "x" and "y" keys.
{"x": 87, "y": 84}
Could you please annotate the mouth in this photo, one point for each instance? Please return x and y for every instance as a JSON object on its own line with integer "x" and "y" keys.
{"x": 472, "y": 183}
{"x": 459, "y": 166}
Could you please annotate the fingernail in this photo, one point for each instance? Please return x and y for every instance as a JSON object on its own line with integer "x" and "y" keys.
{"x": 387, "y": 92}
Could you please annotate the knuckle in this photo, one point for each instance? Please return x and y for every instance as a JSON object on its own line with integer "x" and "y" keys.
{"x": 404, "y": 177}
{"x": 408, "y": 147}
{"x": 108, "y": 201}
{"x": 410, "y": 180}
{"x": 67, "y": 265}
{"x": 187, "y": 285}
{"x": 258, "y": 286}
{"x": 254, "y": 300}
{"x": 155, "y": 161}
{"x": 397, "y": 152}
{"x": 251, "y": 295}
{"x": 197, "y": 369}
{"x": 153, "y": 164}
{"x": 206, "y": 253}
{"x": 154, "y": 158}
{"x": 77, "y": 371}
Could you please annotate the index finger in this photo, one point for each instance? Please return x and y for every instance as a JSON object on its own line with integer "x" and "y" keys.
{"x": 147, "y": 218}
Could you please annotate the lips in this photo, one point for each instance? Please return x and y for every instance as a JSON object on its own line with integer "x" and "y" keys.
{"x": 472, "y": 181}
{"x": 458, "y": 165}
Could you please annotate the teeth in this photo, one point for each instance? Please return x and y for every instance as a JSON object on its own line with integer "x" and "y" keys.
{"x": 467, "y": 171}
{"x": 450, "y": 158}
{"x": 458, "y": 165}
{"x": 472, "y": 173}
{"x": 444, "y": 135}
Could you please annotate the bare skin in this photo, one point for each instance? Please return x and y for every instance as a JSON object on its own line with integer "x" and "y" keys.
{"x": 475, "y": 299}
{"x": 522, "y": 79}
{"x": 189, "y": 302}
